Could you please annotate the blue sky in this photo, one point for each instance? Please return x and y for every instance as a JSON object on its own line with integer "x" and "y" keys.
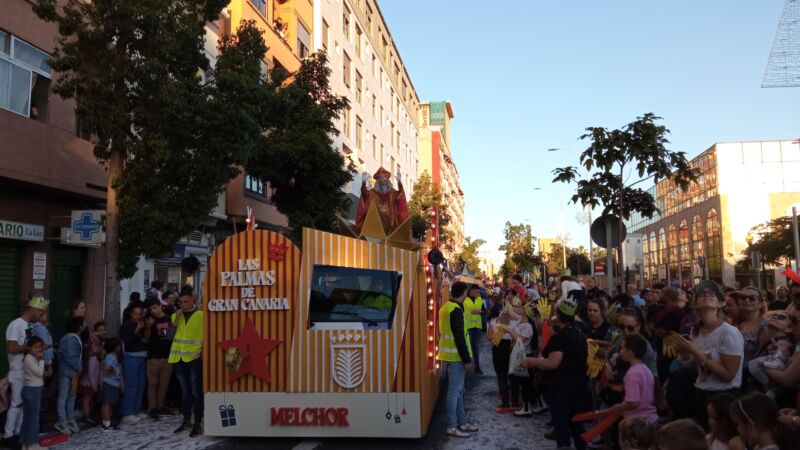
{"x": 524, "y": 76}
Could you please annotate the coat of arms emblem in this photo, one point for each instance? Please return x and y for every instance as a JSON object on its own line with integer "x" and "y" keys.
{"x": 348, "y": 358}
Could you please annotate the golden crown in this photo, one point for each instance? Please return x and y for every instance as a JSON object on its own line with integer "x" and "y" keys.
{"x": 38, "y": 303}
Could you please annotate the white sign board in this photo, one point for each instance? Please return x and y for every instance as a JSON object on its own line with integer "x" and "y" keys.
{"x": 352, "y": 414}
{"x": 21, "y": 231}
{"x": 39, "y": 265}
{"x": 86, "y": 227}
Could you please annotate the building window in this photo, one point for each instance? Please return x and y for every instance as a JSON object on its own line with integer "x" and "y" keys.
{"x": 261, "y": 6}
{"x": 359, "y": 133}
{"x": 346, "y": 23}
{"x": 391, "y": 134}
{"x": 374, "y": 107}
{"x": 381, "y": 116}
{"x": 374, "y": 66}
{"x": 303, "y": 40}
{"x": 257, "y": 186}
{"x": 375, "y": 146}
{"x": 325, "y": 32}
{"x": 405, "y": 88}
{"x": 714, "y": 260}
{"x": 359, "y": 35}
{"x": 24, "y": 78}
{"x": 397, "y": 135}
{"x": 346, "y": 69}
{"x": 385, "y": 48}
{"x": 380, "y": 161}
{"x": 392, "y": 164}
{"x": 369, "y": 19}
{"x": 347, "y": 122}
{"x": 358, "y": 87}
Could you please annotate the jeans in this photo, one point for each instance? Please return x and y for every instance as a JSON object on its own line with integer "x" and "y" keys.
{"x": 159, "y": 372}
{"x": 14, "y": 416}
{"x": 190, "y": 376}
{"x": 455, "y": 393}
{"x": 134, "y": 371}
{"x": 65, "y": 404}
{"x": 31, "y": 404}
{"x": 564, "y": 403}
{"x": 474, "y": 341}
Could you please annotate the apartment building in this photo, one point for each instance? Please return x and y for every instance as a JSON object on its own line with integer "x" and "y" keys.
{"x": 46, "y": 172}
{"x": 435, "y": 157}
{"x": 379, "y": 129}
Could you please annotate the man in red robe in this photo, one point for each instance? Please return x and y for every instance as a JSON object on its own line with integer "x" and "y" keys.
{"x": 391, "y": 202}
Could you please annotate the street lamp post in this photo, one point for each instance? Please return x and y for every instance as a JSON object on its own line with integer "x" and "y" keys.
{"x": 589, "y": 208}
{"x": 563, "y": 225}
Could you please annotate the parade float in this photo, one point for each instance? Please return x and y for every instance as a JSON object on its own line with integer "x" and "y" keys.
{"x": 338, "y": 340}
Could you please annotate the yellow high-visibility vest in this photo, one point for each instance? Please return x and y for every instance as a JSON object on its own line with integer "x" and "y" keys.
{"x": 447, "y": 343}
{"x": 472, "y": 320}
{"x": 188, "y": 343}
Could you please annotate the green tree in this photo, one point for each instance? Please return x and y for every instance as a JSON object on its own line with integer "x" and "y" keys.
{"x": 773, "y": 239}
{"x": 296, "y": 154}
{"x": 168, "y": 141}
{"x": 519, "y": 250}
{"x": 427, "y": 199}
{"x": 639, "y": 147}
{"x": 469, "y": 254}
{"x": 578, "y": 261}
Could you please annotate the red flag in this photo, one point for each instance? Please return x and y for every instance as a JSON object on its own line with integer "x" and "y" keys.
{"x": 791, "y": 274}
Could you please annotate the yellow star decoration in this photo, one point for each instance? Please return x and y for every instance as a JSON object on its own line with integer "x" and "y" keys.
{"x": 594, "y": 362}
{"x": 544, "y": 308}
{"x": 670, "y": 345}
{"x": 373, "y": 230}
{"x": 497, "y": 336}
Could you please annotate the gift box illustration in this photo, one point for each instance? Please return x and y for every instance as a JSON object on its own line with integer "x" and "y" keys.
{"x": 228, "y": 415}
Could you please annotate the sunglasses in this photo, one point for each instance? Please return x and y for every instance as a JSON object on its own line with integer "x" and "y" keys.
{"x": 782, "y": 317}
{"x": 749, "y": 298}
{"x": 628, "y": 327}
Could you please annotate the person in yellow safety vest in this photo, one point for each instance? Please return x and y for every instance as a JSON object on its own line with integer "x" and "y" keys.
{"x": 473, "y": 308}
{"x": 185, "y": 353}
{"x": 456, "y": 356}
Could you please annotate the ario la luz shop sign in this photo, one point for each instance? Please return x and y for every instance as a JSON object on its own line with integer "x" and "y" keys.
{"x": 21, "y": 231}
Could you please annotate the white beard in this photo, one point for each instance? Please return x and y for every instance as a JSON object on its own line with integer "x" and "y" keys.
{"x": 383, "y": 187}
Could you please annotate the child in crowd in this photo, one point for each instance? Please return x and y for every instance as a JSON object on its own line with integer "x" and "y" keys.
{"x": 33, "y": 367}
{"x": 780, "y": 353}
{"x": 636, "y": 434}
{"x": 756, "y": 417}
{"x": 638, "y": 381}
{"x": 720, "y": 424}
{"x": 683, "y": 434}
{"x": 112, "y": 382}
{"x": 90, "y": 382}
{"x": 70, "y": 362}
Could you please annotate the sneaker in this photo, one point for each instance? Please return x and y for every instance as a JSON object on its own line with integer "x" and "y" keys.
{"x": 468, "y": 428}
{"x": 185, "y": 425}
{"x": 539, "y": 408}
{"x": 524, "y": 412}
{"x": 142, "y": 415}
{"x": 197, "y": 430}
{"x": 90, "y": 421}
{"x": 131, "y": 419}
{"x": 457, "y": 433}
{"x": 63, "y": 428}
{"x": 74, "y": 426}
{"x": 109, "y": 428}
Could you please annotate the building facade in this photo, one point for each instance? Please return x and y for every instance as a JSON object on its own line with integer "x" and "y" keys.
{"x": 46, "y": 171}
{"x": 379, "y": 128}
{"x": 703, "y": 232}
{"x": 436, "y": 159}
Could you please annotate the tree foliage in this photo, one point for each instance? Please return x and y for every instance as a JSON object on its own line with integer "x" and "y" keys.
{"x": 773, "y": 239}
{"x": 640, "y": 146}
{"x": 469, "y": 254}
{"x": 519, "y": 250}
{"x": 296, "y": 154}
{"x": 427, "y": 198}
{"x": 132, "y": 68}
